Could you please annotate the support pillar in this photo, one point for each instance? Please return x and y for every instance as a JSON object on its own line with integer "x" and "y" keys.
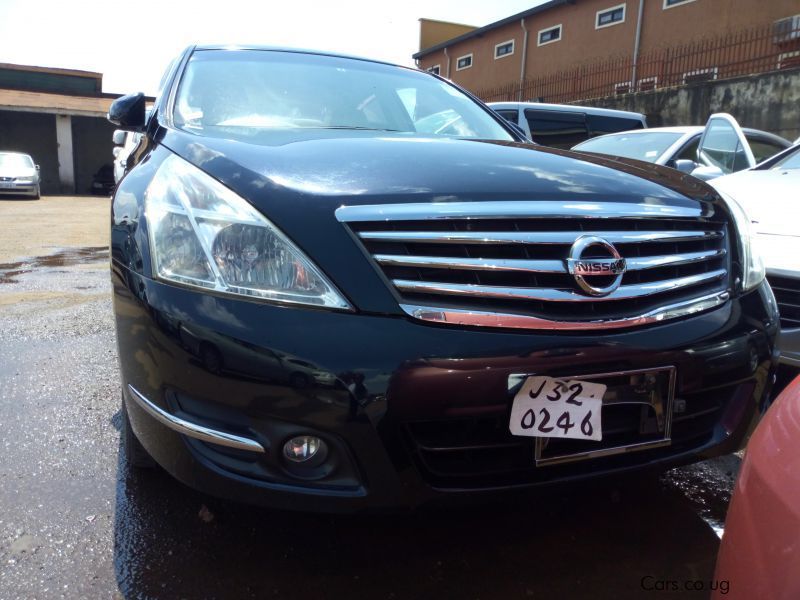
{"x": 66, "y": 162}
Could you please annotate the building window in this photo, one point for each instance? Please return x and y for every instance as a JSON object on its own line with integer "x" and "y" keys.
{"x": 549, "y": 35}
{"x": 504, "y": 49}
{"x": 610, "y": 16}
{"x": 698, "y": 75}
{"x": 434, "y": 69}
{"x": 671, "y": 3}
{"x": 464, "y": 62}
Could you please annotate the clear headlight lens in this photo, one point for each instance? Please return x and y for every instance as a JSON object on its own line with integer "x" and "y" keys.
{"x": 753, "y": 271}
{"x": 24, "y": 180}
{"x": 204, "y": 235}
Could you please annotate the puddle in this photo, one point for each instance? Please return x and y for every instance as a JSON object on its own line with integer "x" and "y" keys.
{"x": 65, "y": 258}
{"x": 708, "y": 486}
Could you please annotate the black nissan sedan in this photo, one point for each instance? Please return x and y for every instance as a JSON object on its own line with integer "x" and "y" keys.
{"x": 344, "y": 285}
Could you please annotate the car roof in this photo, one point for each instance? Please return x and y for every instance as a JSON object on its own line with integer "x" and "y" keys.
{"x": 694, "y": 129}
{"x": 689, "y": 129}
{"x": 265, "y": 48}
{"x": 592, "y": 110}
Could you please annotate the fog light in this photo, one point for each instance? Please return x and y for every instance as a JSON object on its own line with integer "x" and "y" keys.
{"x": 302, "y": 448}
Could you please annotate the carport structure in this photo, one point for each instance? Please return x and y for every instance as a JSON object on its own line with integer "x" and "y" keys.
{"x": 58, "y": 117}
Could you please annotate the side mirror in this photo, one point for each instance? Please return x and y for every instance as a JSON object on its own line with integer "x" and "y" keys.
{"x": 38, "y": 168}
{"x": 118, "y": 137}
{"x": 127, "y": 112}
{"x": 706, "y": 173}
{"x": 685, "y": 165}
{"x": 115, "y": 151}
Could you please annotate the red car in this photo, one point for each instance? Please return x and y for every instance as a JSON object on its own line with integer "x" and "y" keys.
{"x": 760, "y": 551}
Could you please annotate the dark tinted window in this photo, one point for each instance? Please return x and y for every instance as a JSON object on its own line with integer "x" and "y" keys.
{"x": 555, "y": 128}
{"x": 600, "y": 125}
{"x": 763, "y": 148}
{"x": 689, "y": 151}
{"x": 509, "y": 115}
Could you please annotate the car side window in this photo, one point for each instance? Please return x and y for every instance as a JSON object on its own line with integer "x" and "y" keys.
{"x": 601, "y": 124}
{"x": 689, "y": 151}
{"x": 509, "y": 115}
{"x": 722, "y": 147}
{"x": 558, "y": 129}
{"x": 763, "y": 149}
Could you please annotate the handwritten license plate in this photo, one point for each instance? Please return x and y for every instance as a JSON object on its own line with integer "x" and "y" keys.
{"x": 558, "y": 408}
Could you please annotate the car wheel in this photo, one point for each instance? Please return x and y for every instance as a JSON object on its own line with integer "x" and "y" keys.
{"x": 132, "y": 448}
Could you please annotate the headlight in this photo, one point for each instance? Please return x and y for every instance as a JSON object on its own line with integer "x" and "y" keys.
{"x": 753, "y": 271}
{"x": 203, "y": 235}
{"x": 23, "y": 180}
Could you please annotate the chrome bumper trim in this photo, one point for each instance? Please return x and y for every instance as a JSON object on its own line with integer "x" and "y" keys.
{"x": 515, "y": 209}
{"x": 534, "y": 237}
{"x": 194, "y": 430}
{"x": 454, "y": 316}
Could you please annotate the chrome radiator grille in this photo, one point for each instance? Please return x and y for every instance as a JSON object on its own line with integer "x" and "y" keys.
{"x": 505, "y": 264}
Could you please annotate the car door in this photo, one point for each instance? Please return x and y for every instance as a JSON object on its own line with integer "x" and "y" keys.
{"x": 723, "y": 149}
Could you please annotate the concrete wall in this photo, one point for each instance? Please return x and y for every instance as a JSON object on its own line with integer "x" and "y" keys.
{"x": 34, "y": 134}
{"x": 91, "y": 139}
{"x": 770, "y": 101}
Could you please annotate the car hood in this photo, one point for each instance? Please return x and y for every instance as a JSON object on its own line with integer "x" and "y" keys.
{"x": 769, "y": 197}
{"x": 369, "y": 168}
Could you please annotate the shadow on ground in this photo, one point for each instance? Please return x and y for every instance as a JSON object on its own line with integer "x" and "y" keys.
{"x": 596, "y": 541}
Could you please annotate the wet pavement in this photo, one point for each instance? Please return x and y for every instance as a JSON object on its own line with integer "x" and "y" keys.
{"x": 77, "y": 522}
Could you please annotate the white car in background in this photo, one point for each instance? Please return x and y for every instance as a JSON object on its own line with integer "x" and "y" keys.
{"x": 124, "y": 143}
{"x": 19, "y": 175}
{"x": 770, "y": 195}
{"x": 676, "y": 147}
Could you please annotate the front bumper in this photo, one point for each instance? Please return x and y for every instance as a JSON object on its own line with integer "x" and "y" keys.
{"x": 377, "y": 387}
{"x": 19, "y": 189}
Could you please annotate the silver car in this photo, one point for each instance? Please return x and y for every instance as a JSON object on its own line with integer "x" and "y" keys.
{"x": 769, "y": 195}
{"x": 668, "y": 145}
{"x": 19, "y": 175}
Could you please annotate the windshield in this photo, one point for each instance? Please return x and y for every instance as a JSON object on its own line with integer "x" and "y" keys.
{"x": 223, "y": 89}
{"x": 791, "y": 161}
{"x": 642, "y": 146}
{"x": 16, "y": 161}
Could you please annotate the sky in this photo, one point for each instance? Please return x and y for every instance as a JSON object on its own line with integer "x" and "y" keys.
{"x": 132, "y": 44}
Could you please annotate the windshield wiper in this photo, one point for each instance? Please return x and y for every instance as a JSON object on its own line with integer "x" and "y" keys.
{"x": 357, "y": 128}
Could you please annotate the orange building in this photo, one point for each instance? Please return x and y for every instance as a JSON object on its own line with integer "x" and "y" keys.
{"x": 560, "y": 34}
